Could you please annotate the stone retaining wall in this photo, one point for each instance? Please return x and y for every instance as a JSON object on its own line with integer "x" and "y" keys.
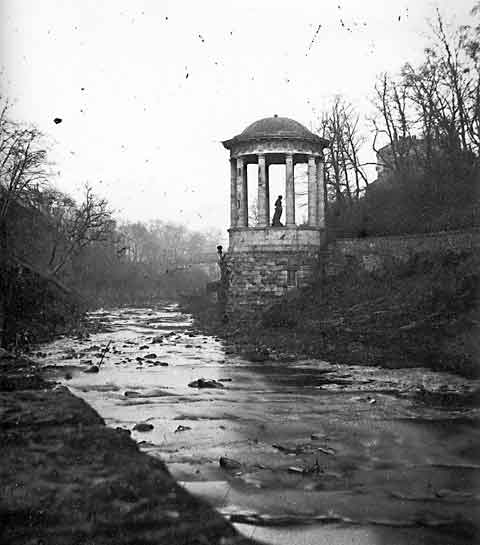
{"x": 257, "y": 279}
{"x": 376, "y": 253}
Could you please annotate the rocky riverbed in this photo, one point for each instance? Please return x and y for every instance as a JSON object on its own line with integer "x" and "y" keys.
{"x": 291, "y": 450}
{"x": 67, "y": 479}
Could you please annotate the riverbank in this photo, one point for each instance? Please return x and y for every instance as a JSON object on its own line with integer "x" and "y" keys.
{"x": 421, "y": 314}
{"x": 68, "y": 479}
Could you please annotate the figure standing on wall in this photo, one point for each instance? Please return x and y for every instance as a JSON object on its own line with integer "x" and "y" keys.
{"x": 222, "y": 285}
{"x": 278, "y": 213}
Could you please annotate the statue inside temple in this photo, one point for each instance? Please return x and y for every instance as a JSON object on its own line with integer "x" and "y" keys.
{"x": 278, "y": 213}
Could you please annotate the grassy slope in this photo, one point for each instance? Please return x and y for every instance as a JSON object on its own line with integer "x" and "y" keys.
{"x": 422, "y": 313}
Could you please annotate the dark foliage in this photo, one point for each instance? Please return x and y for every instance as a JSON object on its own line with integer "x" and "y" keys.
{"x": 37, "y": 308}
{"x": 417, "y": 204}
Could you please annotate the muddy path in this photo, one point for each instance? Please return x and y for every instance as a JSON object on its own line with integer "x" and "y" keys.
{"x": 311, "y": 452}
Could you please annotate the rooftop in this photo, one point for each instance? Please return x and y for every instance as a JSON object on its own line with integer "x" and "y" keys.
{"x": 278, "y": 128}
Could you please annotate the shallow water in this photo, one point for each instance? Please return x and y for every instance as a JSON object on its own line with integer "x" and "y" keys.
{"x": 328, "y": 453}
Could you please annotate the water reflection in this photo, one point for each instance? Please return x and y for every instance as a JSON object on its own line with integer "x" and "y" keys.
{"x": 352, "y": 446}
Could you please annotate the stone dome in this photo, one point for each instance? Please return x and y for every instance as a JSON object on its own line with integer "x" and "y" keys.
{"x": 276, "y": 127}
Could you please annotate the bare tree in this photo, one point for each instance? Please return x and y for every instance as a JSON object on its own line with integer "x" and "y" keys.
{"x": 77, "y": 226}
{"x": 394, "y": 123}
{"x": 23, "y": 167}
{"x": 344, "y": 171}
{"x": 438, "y": 101}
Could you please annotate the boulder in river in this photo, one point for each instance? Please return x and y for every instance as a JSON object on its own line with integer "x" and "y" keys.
{"x": 295, "y": 469}
{"x": 258, "y": 355}
{"x": 69, "y": 354}
{"x": 150, "y": 356}
{"x": 131, "y": 393}
{"x": 182, "y": 428}
{"x": 143, "y": 426}
{"x": 92, "y": 369}
{"x": 157, "y": 340}
{"x": 206, "y": 383}
{"x": 229, "y": 463}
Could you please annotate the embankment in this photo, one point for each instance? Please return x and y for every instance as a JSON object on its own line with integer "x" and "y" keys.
{"x": 374, "y": 306}
{"x": 67, "y": 479}
{"x": 36, "y": 307}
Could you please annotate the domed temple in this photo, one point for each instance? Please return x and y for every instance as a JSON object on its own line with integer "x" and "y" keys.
{"x": 268, "y": 259}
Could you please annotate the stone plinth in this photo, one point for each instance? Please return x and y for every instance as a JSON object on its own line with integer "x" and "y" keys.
{"x": 260, "y": 278}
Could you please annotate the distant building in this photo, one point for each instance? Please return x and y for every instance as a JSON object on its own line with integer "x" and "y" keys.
{"x": 411, "y": 153}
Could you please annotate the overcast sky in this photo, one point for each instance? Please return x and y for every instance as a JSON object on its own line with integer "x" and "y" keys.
{"x": 147, "y": 90}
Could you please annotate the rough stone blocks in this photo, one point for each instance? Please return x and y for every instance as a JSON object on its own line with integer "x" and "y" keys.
{"x": 259, "y": 278}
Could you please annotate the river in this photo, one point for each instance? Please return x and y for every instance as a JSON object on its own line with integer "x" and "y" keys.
{"x": 327, "y": 453}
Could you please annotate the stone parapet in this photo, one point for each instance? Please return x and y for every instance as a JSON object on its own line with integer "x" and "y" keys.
{"x": 273, "y": 239}
{"x": 377, "y": 253}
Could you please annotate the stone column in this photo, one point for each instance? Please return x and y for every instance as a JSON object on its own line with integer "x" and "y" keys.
{"x": 267, "y": 193}
{"x": 242, "y": 196}
{"x": 312, "y": 192}
{"x": 233, "y": 194}
{"x": 262, "y": 192}
{"x": 289, "y": 191}
{"x": 320, "y": 194}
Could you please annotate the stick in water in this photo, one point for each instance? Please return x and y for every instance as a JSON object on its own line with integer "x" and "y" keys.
{"x": 104, "y": 352}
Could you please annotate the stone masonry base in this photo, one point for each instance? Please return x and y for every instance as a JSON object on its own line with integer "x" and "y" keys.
{"x": 258, "y": 279}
